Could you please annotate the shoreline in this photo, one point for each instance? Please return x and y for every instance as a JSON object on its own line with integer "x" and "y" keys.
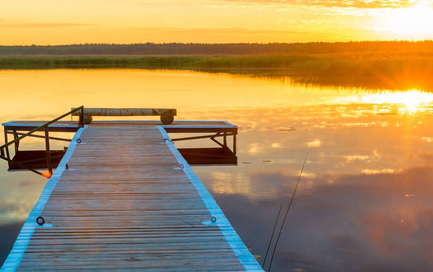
{"x": 394, "y": 71}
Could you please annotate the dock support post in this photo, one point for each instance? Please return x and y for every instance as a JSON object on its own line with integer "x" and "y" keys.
{"x": 48, "y": 152}
{"x": 234, "y": 144}
{"x": 225, "y": 139}
{"x": 7, "y": 147}
{"x": 17, "y": 144}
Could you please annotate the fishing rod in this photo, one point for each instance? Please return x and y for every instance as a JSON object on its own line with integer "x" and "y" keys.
{"x": 287, "y": 211}
{"x": 272, "y": 236}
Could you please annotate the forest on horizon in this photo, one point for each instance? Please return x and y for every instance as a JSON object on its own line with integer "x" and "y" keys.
{"x": 391, "y": 65}
{"x": 219, "y": 49}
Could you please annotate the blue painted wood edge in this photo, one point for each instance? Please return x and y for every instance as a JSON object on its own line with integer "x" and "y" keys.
{"x": 240, "y": 250}
{"x": 14, "y": 258}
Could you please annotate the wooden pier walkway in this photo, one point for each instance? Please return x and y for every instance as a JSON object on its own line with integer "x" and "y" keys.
{"x": 127, "y": 200}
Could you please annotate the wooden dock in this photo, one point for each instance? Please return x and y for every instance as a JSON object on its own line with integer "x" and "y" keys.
{"x": 123, "y": 198}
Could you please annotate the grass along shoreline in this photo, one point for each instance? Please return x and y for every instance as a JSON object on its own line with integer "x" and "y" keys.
{"x": 370, "y": 70}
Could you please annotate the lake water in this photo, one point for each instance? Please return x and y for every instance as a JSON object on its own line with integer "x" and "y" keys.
{"x": 364, "y": 201}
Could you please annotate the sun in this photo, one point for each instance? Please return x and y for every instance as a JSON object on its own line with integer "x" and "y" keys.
{"x": 415, "y": 22}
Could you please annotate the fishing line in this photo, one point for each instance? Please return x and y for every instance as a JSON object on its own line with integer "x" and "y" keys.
{"x": 272, "y": 236}
{"x": 287, "y": 211}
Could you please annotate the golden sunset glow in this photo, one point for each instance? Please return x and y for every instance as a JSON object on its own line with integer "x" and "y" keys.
{"x": 413, "y": 22}
{"x": 410, "y": 98}
{"x": 25, "y": 22}
{"x": 404, "y": 101}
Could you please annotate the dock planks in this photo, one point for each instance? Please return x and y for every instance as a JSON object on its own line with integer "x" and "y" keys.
{"x": 125, "y": 203}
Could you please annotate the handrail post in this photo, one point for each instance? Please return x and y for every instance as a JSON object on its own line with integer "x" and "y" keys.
{"x": 48, "y": 152}
{"x": 82, "y": 117}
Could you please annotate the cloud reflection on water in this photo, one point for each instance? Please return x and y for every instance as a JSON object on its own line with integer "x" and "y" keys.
{"x": 357, "y": 222}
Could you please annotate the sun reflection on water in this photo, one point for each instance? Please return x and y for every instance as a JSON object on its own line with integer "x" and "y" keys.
{"x": 408, "y": 102}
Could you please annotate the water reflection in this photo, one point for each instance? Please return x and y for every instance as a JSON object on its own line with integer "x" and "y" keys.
{"x": 365, "y": 201}
{"x": 18, "y": 194}
{"x": 360, "y": 205}
{"x": 8, "y": 233}
{"x": 392, "y": 103}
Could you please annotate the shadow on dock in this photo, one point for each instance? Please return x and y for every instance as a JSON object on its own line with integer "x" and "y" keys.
{"x": 209, "y": 156}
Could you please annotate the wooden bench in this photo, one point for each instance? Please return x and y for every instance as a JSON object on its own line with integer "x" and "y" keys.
{"x": 167, "y": 115}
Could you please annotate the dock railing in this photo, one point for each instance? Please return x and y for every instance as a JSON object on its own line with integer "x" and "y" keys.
{"x": 4, "y": 149}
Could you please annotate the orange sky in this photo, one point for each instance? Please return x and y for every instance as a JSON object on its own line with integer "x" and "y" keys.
{"x": 24, "y": 22}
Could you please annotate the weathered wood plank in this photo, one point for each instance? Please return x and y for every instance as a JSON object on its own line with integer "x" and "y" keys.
{"x": 125, "y": 111}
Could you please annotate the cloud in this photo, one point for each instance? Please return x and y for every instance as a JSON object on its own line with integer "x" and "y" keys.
{"x": 8, "y": 206}
{"x": 42, "y": 25}
{"x": 219, "y": 31}
{"x": 332, "y": 3}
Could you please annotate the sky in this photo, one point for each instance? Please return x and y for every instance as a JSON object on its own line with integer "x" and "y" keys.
{"x": 45, "y": 22}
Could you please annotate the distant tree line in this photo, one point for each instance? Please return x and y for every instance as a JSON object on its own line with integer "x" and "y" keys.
{"x": 219, "y": 49}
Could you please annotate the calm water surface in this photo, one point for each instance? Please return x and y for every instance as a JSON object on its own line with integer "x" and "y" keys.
{"x": 365, "y": 200}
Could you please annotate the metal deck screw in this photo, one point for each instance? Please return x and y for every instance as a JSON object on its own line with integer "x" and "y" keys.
{"x": 40, "y": 220}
